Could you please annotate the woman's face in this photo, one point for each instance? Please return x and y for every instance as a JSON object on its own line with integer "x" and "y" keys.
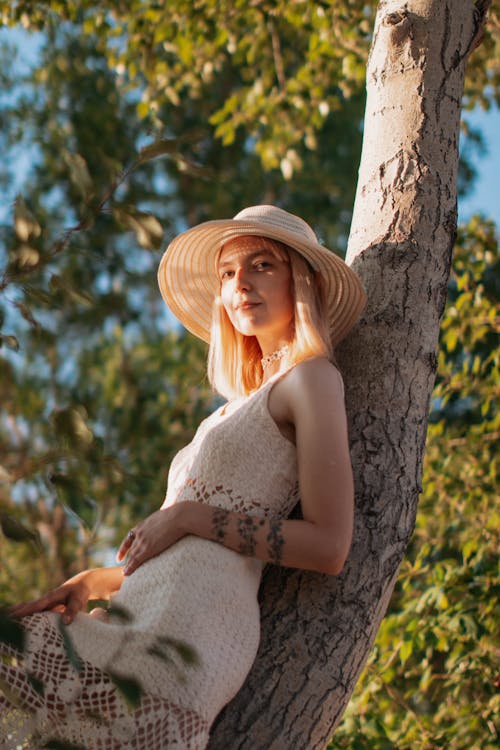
{"x": 256, "y": 291}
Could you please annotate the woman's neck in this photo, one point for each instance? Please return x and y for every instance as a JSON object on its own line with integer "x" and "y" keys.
{"x": 275, "y": 361}
{"x": 275, "y": 355}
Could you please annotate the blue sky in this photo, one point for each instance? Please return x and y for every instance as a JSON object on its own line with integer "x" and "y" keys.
{"x": 485, "y": 197}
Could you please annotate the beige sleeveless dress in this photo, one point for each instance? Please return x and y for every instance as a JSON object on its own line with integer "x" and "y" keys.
{"x": 197, "y": 592}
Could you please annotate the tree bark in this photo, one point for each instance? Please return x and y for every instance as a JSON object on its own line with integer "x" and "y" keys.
{"x": 317, "y": 631}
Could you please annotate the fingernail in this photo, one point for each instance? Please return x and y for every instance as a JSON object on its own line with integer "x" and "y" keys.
{"x": 126, "y": 571}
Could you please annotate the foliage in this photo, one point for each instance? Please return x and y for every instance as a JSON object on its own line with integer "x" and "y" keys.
{"x": 283, "y": 66}
{"x": 295, "y": 61}
{"x": 138, "y": 117}
{"x": 432, "y": 679}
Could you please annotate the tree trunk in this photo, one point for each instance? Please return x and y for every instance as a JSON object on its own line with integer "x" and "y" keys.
{"x": 317, "y": 631}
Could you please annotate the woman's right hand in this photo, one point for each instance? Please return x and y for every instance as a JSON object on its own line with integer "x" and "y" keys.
{"x": 68, "y": 599}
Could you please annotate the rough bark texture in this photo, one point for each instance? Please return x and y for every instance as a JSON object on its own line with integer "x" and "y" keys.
{"x": 317, "y": 631}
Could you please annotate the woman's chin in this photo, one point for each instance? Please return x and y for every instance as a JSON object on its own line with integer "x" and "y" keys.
{"x": 247, "y": 328}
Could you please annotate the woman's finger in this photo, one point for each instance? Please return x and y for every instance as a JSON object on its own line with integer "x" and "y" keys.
{"x": 140, "y": 554}
{"x": 27, "y": 608}
{"x": 123, "y": 549}
{"x": 74, "y": 605}
{"x": 125, "y": 545}
{"x": 54, "y": 598}
{"x": 19, "y": 610}
{"x": 133, "y": 562}
{"x": 31, "y": 608}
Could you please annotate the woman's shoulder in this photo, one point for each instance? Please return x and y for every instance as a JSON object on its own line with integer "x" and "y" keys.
{"x": 308, "y": 385}
{"x": 314, "y": 373}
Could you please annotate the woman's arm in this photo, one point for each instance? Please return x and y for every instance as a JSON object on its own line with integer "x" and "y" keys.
{"x": 311, "y": 398}
{"x": 72, "y": 596}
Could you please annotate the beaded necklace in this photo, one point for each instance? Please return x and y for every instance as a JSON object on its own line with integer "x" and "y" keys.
{"x": 275, "y": 356}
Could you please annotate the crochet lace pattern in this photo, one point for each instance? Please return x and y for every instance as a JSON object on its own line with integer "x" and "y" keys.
{"x": 82, "y": 706}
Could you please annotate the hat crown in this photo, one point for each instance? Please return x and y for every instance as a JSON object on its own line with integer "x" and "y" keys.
{"x": 279, "y": 218}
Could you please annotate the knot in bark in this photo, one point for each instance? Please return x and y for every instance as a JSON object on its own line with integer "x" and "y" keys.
{"x": 392, "y": 19}
{"x": 400, "y": 24}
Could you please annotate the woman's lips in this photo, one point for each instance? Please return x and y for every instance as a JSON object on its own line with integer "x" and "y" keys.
{"x": 247, "y": 305}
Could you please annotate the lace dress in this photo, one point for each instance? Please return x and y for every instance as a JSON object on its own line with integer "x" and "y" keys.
{"x": 197, "y": 592}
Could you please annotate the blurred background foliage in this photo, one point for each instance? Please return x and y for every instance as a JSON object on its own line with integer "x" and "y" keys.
{"x": 131, "y": 122}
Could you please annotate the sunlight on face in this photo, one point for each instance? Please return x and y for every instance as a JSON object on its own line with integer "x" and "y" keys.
{"x": 256, "y": 289}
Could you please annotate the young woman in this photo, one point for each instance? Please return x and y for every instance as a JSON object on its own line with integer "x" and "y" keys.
{"x": 272, "y": 302}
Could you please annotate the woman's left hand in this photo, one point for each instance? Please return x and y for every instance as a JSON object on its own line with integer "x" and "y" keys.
{"x": 150, "y": 537}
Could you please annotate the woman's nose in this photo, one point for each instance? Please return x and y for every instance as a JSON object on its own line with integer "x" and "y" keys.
{"x": 242, "y": 279}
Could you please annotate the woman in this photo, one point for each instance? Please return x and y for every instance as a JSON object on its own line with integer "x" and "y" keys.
{"x": 271, "y": 301}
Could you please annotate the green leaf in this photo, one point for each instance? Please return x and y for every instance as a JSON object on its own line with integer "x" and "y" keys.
{"x": 36, "y": 684}
{"x": 164, "y": 644}
{"x": 25, "y": 224}
{"x": 158, "y": 148}
{"x": 129, "y": 687}
{"x": 14, "y": 530}
{"x": 147, "y": 228}
{"x": 11, "y": 631}
{"x": 79, "y": 173}
{"x": 469, "y": 549}
{"x": 63, "y": 481}
{"x": 10, "y": 342}
{"x": 71, "y": 424}
{"x": 25, "y": 258}
{"x": 58, "y": 283}
{"x": 55, "y": 744}
{"x": 69, "y": 648}
{"x": 405, "y": 651}
{"x": 442, "y": 601}
{"x": 187, "y": 653}
{"x": 121, "y": 613}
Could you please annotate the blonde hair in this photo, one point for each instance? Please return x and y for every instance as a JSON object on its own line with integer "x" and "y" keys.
{"x": 234, "y": 360}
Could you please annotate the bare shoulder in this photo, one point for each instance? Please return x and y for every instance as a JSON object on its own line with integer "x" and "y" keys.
{"x": 314, "y": 373}
{"x": 307, "y": 387}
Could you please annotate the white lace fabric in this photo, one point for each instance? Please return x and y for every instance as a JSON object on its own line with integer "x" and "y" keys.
{"x": 82, "y": 707}
{"x": 197, "y": 591}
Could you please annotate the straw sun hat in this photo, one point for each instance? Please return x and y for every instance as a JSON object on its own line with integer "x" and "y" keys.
{"x": 188, "y": 270}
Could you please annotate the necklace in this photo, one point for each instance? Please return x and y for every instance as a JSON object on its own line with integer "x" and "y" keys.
{"x": 275, "y": 356}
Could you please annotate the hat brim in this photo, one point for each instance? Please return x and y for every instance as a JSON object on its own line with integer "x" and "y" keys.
{"x": 188, "y": 281}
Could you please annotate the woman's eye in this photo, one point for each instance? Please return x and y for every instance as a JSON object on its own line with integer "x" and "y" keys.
{"x": 262, "y": 265}
{"x": 226, "y": 275}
